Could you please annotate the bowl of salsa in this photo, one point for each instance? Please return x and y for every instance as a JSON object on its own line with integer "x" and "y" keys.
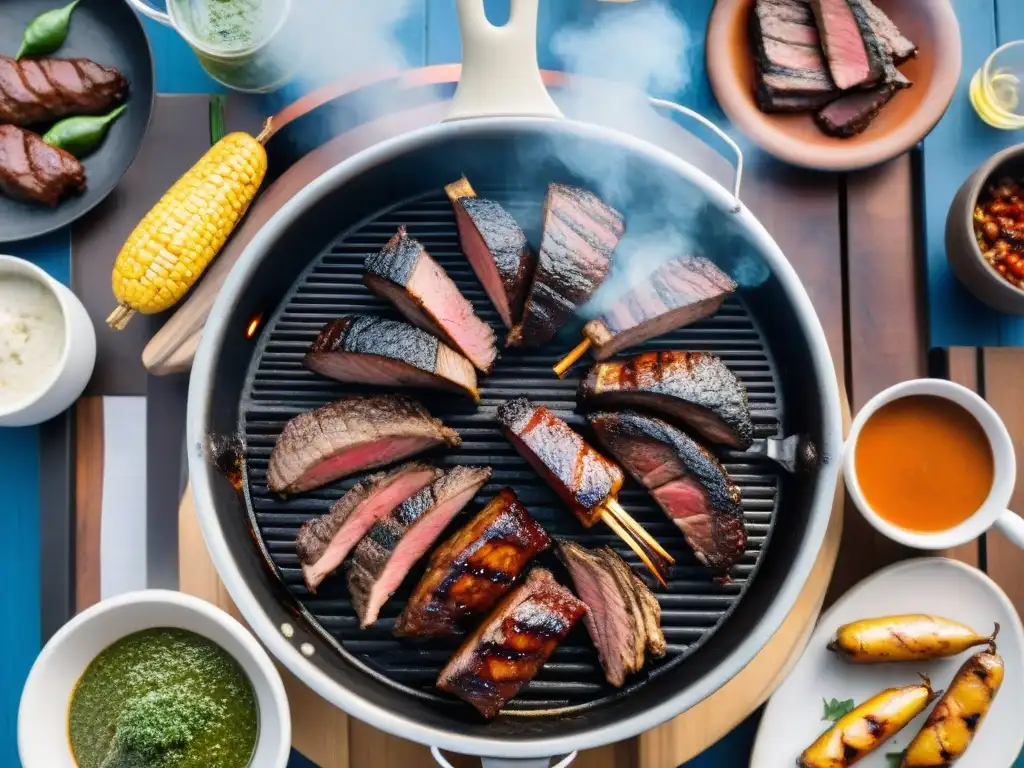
{"x": 154, "y": 679}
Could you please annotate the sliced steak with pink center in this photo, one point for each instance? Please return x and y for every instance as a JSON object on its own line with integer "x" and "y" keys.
{"x": 856, "y": 56}
{"x": 405, "y": 274}
{"x": 364, "y": 349}
{"x": 855, "y": 111}
{"x": 351, "y": 435}
{"x": 686, "y": 480}
{"x": 393, "y": 545}
{"x": 496, "y": 248}
{"x": 324, "y": 542}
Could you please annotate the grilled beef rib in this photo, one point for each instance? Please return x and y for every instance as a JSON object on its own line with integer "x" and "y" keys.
{"x": 856, "y": 55}
{"x": 30, "y": 169}
{"x": 34, "y": 91}
{"x": 470, "y": 572}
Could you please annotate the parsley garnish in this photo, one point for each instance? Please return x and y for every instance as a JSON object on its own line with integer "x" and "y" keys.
{"x": 835, "y": 709}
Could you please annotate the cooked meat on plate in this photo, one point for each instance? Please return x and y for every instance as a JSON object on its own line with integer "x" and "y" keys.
{"x": 324, "y": 542}
{"x": 694, "y": 388}
{"x": 853, "y": 112}
{"x": 623, "y": 616}
{"x": 470, "y": 572}
{"x": 364, "y": 349}
{"x": 394, "y": 543}
{"x": 36, "y": 91}
{"x": 351, "y": 435}
{"x": 856, "y": 56}
{"x": 406, "y": 275}
{"x": 897, "y": 45}
{"x": 30, "y": 169}
{"x": 686, "y": 480}
{"x": 496, "y": 248}
{"x": 580, "y": 233}
{"x": 510, "y": 646}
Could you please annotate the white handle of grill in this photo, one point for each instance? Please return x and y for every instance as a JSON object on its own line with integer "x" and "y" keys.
{"x": 500, "y": 762}
{"x": 738, "y": 177}
{"x": 500, "y": 74}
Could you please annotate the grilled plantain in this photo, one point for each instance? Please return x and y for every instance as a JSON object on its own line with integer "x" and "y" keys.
{"x": 914, "y": 637}
{"x": 863, "y": 730}
{"x": 952, "y": 724}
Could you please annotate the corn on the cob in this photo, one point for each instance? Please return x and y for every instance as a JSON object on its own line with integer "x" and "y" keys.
{"x": 180, "y": 236}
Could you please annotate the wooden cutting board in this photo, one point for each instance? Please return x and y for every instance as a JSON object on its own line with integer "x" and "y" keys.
{"x": 331, "y": 739}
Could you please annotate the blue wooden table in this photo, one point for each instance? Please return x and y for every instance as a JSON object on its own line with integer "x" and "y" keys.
{"x": 428, "y": 35}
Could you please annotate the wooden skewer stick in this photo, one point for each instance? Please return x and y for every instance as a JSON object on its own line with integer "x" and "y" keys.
{"x": 635, "y": 546}
{"x": 613, "y": 507}
{"x": 566, "y": 362}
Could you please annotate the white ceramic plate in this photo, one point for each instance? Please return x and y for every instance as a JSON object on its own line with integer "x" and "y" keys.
{"x": 935, "y": 585}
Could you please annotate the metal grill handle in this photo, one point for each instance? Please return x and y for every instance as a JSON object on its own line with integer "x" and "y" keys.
{"x": 501, "y": 762}
{"x": 738, "y": 177}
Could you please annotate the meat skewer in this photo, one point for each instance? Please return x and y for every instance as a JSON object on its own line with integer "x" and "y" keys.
{"x": 678, "y": 293}
{"x": 385, "y": 555}
{"x": 586, "y": 481}
{"x": 36, "y": 91}
{"x": 30, "y": 169}
{"x": 507, "y": 650}
{"x": 471, "y": 571}
{"x": 371, "y": 350}
{"x": 580, "y": 233}
{"x": 405, "y": 274}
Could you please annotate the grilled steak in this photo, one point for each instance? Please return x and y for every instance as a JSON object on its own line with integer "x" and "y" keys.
{"x": 695, "y": 388}
{"x": 30, "y": 169}
{"x": 582, "y": 478}
{"x": 855, "y": 111}
{"x": 792, "y": 74}
{"x": 897, "y": 45}
{"x": 623, "y": 616}
{"x": 688, "y": 483}
{"x": 44, "y": 90}
{"x": 679, "y": 292}
{"x": 580, "y": 233}
{"x": 508, "y": 649}
{"x": 370, "y": 350}
{"x": 324, "y": 542}
{"x": 496, "y": 248}
{"x": 856, "y": 56}
{"x": 351, "y": 435}
{"x": 406, "y": 275}
{"x": 384, "y": 556}
{"x": 474, "y": 568}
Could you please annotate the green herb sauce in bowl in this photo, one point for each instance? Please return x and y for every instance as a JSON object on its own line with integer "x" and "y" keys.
{"x": 163, "y": 698}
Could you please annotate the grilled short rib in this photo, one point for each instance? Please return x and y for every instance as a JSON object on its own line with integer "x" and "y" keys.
{"x": 406, "y": 275}
{"x": 324, "y": 542}
{"x": 371, "y": 350}
{"x": 792, "y": 74}
{"x": 686, "y": 480}
{"x": 582, "y": 477}
{"x": 510, "y": 646}
{"x": 471, "y": 571}
{"x": 856, "y": 56}
{"x": 623, "y": 616}
{"x": 30, "y": 169}
{"x": 351, "y": 435}
{"x": 897, "y": 45}
{"x": 694, "y": 388}
{"x": 383, "y": 557}
{"x": 853, "y": 112}
{"x": 496, "y": 248}
{"x": 678, "y": 293}
{"x": 34, "y": 91}
{"x": 580, "y": 233}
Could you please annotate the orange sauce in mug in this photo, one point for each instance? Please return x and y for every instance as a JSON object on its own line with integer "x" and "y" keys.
{"x": 924, "y": 463}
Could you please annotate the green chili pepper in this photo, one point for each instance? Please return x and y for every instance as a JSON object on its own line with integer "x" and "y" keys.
{"x": 81, "y": 135}
{"x": 47, "y": 32}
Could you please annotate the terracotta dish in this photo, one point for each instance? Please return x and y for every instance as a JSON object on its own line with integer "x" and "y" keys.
{"x": 795, "y": 138}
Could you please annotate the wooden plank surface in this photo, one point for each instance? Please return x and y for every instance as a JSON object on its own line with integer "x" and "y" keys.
{"x": 88, "y": 499}
{"x": 962, "y": 366}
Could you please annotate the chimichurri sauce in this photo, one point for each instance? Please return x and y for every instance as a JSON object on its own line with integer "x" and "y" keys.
{"x": 163, "y": 698}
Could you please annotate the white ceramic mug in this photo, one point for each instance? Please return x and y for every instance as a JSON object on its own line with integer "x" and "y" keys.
{"x": 993, "y": 512}
{"x": 74, "y": 369}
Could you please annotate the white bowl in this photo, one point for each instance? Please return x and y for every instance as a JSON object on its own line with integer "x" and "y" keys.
{"x": 74, "y": 370}
{"x": 42, "y": 715}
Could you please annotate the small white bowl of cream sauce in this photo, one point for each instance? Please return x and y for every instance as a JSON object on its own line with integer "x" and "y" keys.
{"x": 47, "y": 345}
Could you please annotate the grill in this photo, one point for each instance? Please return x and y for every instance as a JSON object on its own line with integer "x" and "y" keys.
{"x": 278, "y": 387}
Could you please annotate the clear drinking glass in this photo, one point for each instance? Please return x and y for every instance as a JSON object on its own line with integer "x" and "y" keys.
{"x": 996, "y": 91}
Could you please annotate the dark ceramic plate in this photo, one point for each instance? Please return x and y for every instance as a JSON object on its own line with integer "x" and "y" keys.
{"x": 108, "y": 32}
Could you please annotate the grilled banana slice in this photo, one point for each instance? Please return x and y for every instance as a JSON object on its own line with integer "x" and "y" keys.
{"x": 862, "y": 730}
{"x": 914, "y": 637}
{"x": 952, "y": 724}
